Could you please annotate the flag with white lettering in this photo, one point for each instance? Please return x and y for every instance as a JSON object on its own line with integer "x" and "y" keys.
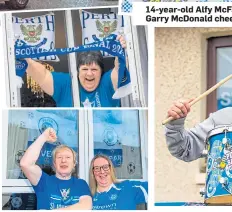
{"x": 33, "y": 30}
{"x": 96, "y": 26}
{"x": 45, "y": 157}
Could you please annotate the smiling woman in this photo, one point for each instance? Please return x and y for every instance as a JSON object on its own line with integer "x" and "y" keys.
{"x": 89, "y": 76}
{"x": 109, "y": 193}
{"x": 64, "y": 161}
{"x": 95, "y": 90}
{"x": 55, "y": 191}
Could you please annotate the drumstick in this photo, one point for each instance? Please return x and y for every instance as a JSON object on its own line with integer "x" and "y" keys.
{"x": 202, "y": 96}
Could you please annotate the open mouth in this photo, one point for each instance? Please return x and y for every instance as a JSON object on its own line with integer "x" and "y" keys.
{"x": 89, "y": 80}
{"x": 64, "y": 166}
{"x": 103, "y": 177}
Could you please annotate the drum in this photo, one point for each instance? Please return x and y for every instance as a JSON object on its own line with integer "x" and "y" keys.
{"x": 218, "y": 188}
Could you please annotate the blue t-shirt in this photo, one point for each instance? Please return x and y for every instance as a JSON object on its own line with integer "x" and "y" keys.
{"x": 53, "y": 193}
{"x": 121, "y": 196}
{"x": 100, "y": 97}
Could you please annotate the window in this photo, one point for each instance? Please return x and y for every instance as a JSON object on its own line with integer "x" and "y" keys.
{"x": 24, "y": 127}
{"x": 116, "y": 134}
{"x": 19, "y": 201}
{"x": 121, "y": 135}
{"x": 28, "y": 97}
{"x": 219, "y": 65}
{"x": 69, "y": 35}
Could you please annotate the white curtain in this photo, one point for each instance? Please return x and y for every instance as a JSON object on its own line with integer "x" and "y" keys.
{"x": 17, "y": 143}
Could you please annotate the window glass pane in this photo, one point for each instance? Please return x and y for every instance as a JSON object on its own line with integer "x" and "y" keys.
{"x": 116, "y": 134}
{"x": 108, "y": 61}
{"x": 19, "y": 201}
{"x": 79, "y": 36}
{"x": 224, "y": 63}
{"x": 26, "y": 125}
{"x": 30, "y": 93}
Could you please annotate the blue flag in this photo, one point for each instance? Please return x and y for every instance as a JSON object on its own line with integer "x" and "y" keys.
{"x": 45, "y": 157}
{"x": 108, "y": 44}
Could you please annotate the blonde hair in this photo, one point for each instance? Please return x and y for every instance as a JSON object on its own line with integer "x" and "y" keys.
{"x": 92, "y": 180}
{"x": 54, "y": 152}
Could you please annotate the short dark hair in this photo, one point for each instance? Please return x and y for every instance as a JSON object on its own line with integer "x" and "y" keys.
{"x": 89, "y": 57}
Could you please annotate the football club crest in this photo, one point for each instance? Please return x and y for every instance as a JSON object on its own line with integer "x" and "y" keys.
{"x": 31, "y": 34}
{"x": 113, "y": 197}
{"x": 47, "y": 122}
{"x": 106, "y": 27}
{"x": 16, "y": 202}
{"x": 65, "y": 193}
{"x": 32, "y": 30}
{"x": 87, "y": 103}
{"x": 110, "y": 137}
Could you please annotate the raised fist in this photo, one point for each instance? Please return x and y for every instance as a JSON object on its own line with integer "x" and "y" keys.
{"x": 50, "y": 135}
{"x": 122, "y": 40}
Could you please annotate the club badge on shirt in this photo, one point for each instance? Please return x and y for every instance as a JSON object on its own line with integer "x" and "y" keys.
{"x": 113, "y": 197}
{"x": 65, "y": 193}
{"x": 87, "y": 103}
{"x": 95, "y": 103}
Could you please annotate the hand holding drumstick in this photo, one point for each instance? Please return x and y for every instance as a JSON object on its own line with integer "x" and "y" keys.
{"x": 181, "y": 108}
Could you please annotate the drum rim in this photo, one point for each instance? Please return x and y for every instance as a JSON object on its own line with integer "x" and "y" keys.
{"x": 219, "y": 130}
{"x": 221, "y": 195}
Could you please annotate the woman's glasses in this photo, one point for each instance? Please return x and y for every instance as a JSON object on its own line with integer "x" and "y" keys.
{"x": 104, "y": 167}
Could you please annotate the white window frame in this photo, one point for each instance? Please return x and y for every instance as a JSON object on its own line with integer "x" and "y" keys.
{"x": 143, "y": 142}
{"x": 90, "y": 140}
{"x": 143, "y": 129}
{"x": 81, "y": 145}
{"x": 15, "y": 184}
{"x": 72, "y": 58}
{"x": 4, "y": 59}
{"x": 17, "y": 190}
{"x": 13, "y": 84}
{"x": 12, "y": 81}
{"x": 134, "y": 62}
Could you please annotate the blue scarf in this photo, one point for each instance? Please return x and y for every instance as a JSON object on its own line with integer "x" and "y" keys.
{"x": 108, "y": 44}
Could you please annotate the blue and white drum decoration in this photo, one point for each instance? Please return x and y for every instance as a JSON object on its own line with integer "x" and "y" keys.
{"x": 218, "y": 188}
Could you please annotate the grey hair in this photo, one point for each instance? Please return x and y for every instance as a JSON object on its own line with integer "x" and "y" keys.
{"x": 54, "y": 152}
